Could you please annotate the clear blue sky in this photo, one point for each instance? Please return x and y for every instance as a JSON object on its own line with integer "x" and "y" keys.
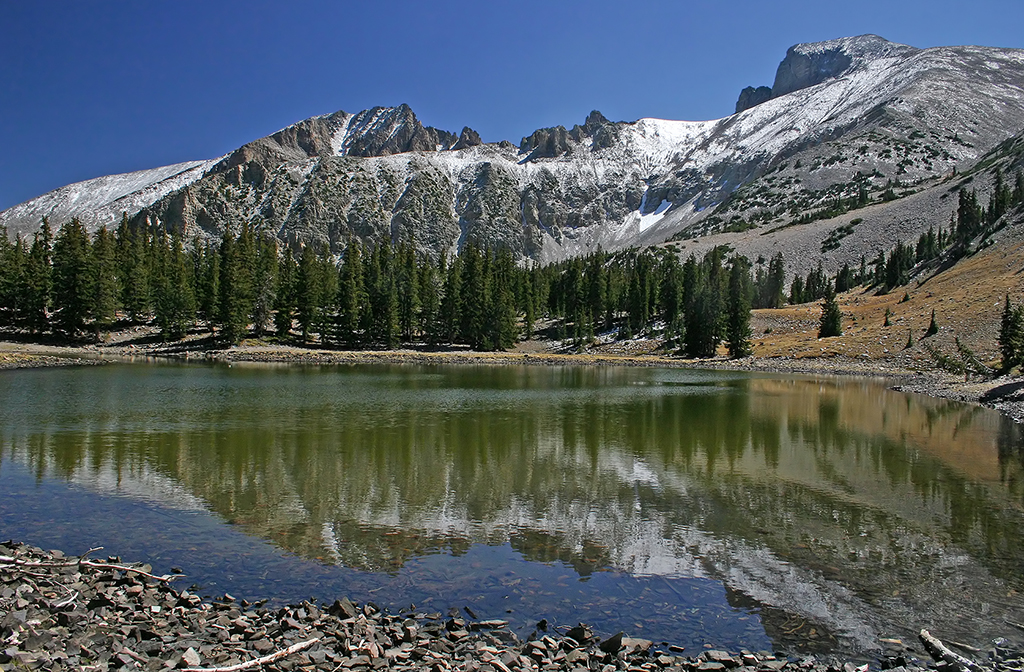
{"x": 110, "y": 86}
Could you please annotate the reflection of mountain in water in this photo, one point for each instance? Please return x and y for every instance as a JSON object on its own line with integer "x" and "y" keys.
{"x": 863, "y": 510}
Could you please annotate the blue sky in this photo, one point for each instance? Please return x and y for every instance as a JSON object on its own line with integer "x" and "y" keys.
{"x": 100, "y": 87}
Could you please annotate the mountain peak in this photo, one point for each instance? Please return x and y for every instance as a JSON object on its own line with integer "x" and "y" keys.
{"x": 811, "y": 63}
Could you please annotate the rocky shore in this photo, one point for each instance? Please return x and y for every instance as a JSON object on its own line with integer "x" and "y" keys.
{"x": 75, "y": 613}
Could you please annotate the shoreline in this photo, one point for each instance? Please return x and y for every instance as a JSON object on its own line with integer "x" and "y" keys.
{"x": 1004, "y": 394}
{"x": 64, "y": 612}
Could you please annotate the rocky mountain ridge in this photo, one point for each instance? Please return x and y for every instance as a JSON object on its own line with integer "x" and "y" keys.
{"x": 844, "y": 117}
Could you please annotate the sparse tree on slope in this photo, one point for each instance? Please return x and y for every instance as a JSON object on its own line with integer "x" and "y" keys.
{"x": 831, "y": 317}
{"x": 1011, "y": 335}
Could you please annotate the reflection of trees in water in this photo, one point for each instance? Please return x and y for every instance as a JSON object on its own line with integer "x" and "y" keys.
{"x": 565, "y": 462}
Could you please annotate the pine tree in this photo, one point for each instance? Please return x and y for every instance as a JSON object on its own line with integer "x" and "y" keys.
{"x": 969, "y": 217}
{"x": 351, "y": 294}
{"x": 1011, "y": 335}
{"x": 133, "y": 256}
{"x": 235, "y": 285}
{"x": 264, "y": 284}
{"x": 12, "y": 268}
{"x": 328, "y": 310}
{"x": 501, "y": 314}
{"x": 831, "y": 317}
{"x": 285, "y": 300}
{"x": 430, "y": 302}
{"x": 207, "y": 283}
{"x": 933, "y": 326}
{"x": 105, "y": 281}
{"x": 844, "y": 279}
{"x": 738, "y": 306}
{"x": 704, "y": 305}
{"x": 73, "y": 277}
{"x": 37, "y": 282}
{"x": 1001, "y": 198}
{"x": 796, "y": 290}
{"x": 174, "y": 301}
{"x": 308, "y": 289}
{"x": 473, "y": 288}
{"x": 407, "y": 290}
{"x": 451, "y": 303}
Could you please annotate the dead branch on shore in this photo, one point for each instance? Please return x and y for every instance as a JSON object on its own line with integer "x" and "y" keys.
{"x": 7, "y": 561}
{"x": 256, "y": 662}
{"x": 941, "y": 652}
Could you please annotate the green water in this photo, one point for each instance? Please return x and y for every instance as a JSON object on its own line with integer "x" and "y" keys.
{"x": 693, "y": 507}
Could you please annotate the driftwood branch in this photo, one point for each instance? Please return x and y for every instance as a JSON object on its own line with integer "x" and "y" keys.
{"x": 8, "y": 561}
{"x": 125, "y": 568}
{"x": 940, "y": 651}
{"x": 256, "y": 662}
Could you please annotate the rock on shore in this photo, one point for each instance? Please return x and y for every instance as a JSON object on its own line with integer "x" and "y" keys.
{"x": 64, "y": 613}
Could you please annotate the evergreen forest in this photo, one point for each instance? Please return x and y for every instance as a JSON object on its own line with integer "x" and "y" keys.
{"x": 75, "y": 286}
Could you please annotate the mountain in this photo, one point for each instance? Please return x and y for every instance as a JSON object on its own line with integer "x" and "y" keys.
{"x": 855, "y": 120}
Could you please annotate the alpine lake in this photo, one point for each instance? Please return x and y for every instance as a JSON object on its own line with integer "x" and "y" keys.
{"x": 691, "y": 507}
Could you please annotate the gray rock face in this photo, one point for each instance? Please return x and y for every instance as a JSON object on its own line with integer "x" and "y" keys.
{"x": 303, "y": 140}
{"x": 384, "y": 131}
{"x": 546, "y": 143}
{"x": 468, "y": 138}
{"x": 806, "y": 65}
{"x": 749, "y": 97}
{"x": 801, "y": 70}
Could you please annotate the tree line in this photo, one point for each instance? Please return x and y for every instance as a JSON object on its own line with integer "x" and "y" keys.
{"x": 71, "y": 283}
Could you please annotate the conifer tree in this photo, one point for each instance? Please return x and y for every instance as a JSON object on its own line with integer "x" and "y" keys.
{"x": 174, "y": 302}
{"x": 133, "y": 256}
{"x": 1011, "y": 335}
{"x": 235, "y": 285}
{"x": 595, "y": 288}
{"x": 671, "y": 294}
{"x": 408, "y": 289}
{"x": 933, "y": 326}
{"x": 501, "y": 313}
{"x": 285, "y": 300}
{"x": 796, "y": 290}
{"x": 430, "y": 302}
{"x": 327, "y": 312}
{"x": 831, "y": 317}
{"x": 207, "y": 283}
{"x": 969, "y": 217}
{"x": 704, "y": 313}
{"x": 264, "y": 276}
{"x": 12, "y": 269}
{"x": 73, "y": 277}
{"x": 529, "y": 303}
{"x": 37, "y": 280}
{"x": 844, "y": 279}
{"x": 104, "y": 281}
{"x": 351, "y": 294}
{"x": 473, "y": 288}
{"x": 308, "y": 290}
{"x": 738, "y": 306}
{"x": 451, "y": 303}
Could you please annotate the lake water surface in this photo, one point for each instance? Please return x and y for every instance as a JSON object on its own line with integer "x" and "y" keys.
{"x": 692, "y": 507}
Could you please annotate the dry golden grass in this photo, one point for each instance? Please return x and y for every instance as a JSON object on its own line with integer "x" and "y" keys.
{"x": 967, "y": 299}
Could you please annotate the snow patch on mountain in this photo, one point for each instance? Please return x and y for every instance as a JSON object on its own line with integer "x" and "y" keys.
{"x": 100, "y": 201}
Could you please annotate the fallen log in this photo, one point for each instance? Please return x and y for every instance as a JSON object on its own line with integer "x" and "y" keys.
{"x": 940, "y": 652}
